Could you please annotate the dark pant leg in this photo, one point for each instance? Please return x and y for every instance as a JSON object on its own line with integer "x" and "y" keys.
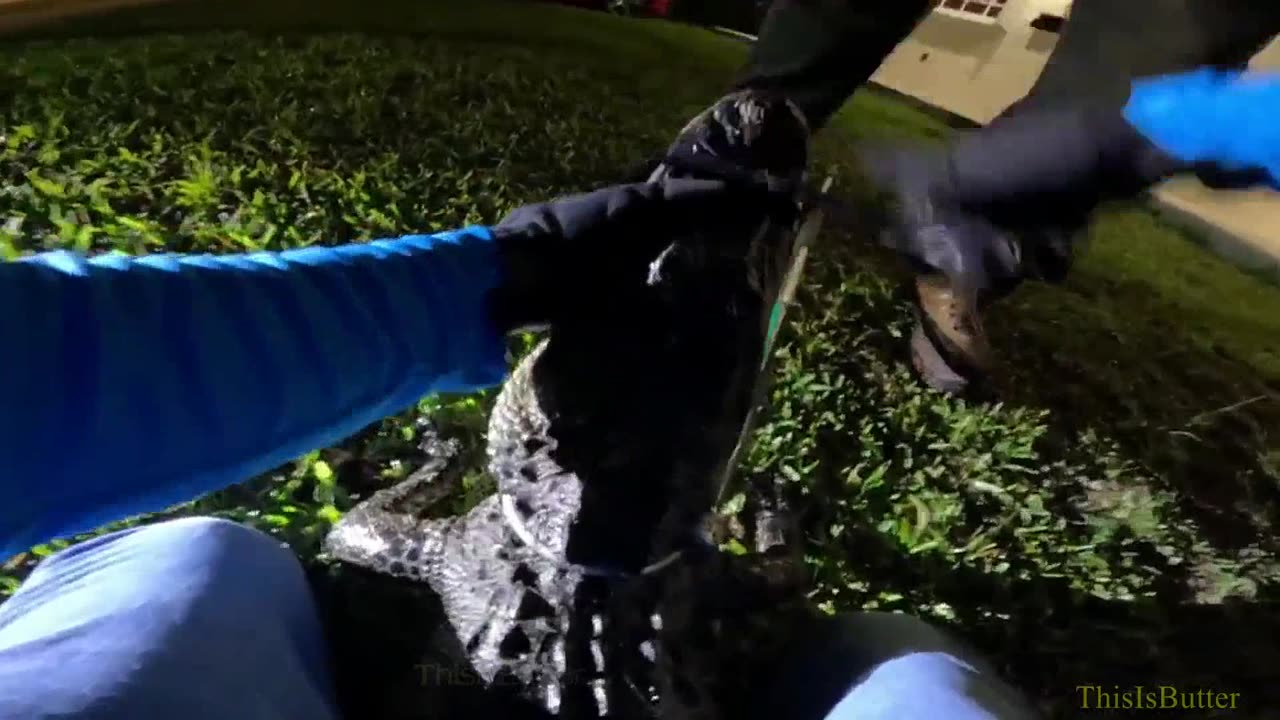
{"x": 818, "y": 52}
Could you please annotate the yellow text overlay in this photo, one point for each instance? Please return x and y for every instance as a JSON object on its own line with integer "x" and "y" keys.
{"x": 1156, "y": 697}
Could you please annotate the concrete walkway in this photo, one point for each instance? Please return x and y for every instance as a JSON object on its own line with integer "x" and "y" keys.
{"x": 1240, "y": 226}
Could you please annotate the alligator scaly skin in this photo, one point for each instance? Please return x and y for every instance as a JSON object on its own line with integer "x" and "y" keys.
{"x": 608, "y": 443}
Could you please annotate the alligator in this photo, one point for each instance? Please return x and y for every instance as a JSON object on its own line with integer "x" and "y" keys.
{"x": 587, "y": 585}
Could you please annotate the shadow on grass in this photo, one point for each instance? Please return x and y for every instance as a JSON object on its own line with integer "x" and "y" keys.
{"x": 1108, "y": 356}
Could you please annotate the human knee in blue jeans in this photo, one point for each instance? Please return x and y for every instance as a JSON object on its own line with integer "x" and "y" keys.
{"x": 887, "y": 666}
{"x": 196, "y": 619}
{"x": 205, "y": 619}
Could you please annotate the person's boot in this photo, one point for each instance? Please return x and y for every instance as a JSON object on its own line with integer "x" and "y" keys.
{"x": 964, "y": 213}
{"x": 949, "y": 346}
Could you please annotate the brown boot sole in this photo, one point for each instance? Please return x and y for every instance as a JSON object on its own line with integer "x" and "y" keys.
{"x": 931, "y": 366}
{"x": 971, "y": 359}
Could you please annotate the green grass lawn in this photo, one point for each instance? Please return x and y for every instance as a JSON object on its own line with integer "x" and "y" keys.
{"x": 1111, "y": 520}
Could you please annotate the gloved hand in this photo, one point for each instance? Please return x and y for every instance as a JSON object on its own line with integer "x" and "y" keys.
{"x": 567, "y": 251}
{"x": 994, "y": 206}
{"x": 1000, "y": 204}
{"x": 960, "y": 206}
{"x": 1042, "y": 171}
{"x": 738, "y": 164}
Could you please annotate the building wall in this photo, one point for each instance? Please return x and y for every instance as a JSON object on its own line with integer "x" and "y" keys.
{"x": 972, "y": 67}
{"x": 969, "y": 68}
{"x": 976, "y": 68}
